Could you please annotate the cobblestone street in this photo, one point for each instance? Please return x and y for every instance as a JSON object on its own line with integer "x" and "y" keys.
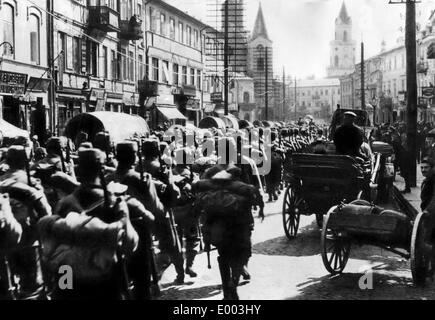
{"x": 283, "y": 269}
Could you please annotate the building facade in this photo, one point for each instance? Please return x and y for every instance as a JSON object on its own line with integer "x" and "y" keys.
{"x": 23, "y": 65}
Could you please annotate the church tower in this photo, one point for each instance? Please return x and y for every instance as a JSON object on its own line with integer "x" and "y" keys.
{"x": 260, "y": 61}
{"x": 342, "y": 60}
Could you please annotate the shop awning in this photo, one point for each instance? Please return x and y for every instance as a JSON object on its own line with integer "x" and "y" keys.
{"x": 120, "y": 126}
{"x": 171, "y": 113}
{"x": 10, "y": 131}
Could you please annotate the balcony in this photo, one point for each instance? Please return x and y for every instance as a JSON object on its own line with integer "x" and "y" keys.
{"x": 131, "y": 29}
{"x": 104, "y": 18}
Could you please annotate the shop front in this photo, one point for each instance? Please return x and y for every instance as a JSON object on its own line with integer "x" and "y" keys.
{"x": 186, "y": 102}
{"x": 12, "y": 90}
{"x": 22, "y": 102}
{"x": 114, "y": 102}
{"x": 70, "y": 103}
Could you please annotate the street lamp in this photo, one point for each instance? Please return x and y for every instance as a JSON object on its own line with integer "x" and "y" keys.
{"x": 10, "y": 46}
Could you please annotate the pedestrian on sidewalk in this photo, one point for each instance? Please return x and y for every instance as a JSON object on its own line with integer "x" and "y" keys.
{"x": 428, "y": 185}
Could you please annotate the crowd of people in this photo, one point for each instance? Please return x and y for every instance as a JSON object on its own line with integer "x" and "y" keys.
{"x": 396, "y": 135}
{"x": 118, "y": 215}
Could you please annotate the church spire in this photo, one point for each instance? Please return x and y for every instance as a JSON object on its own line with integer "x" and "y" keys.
{"x": 260, "y": 26}
{"x": 343, "y": 16}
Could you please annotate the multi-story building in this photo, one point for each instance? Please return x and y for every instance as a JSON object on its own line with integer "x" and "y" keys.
{"x": 99, "y": 56}
{"x": 317, "y": 97}
{"x": 23, "y": 65}
{"x": 175, "y": 46}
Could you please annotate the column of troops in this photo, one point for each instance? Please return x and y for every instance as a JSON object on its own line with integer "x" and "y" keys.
{"x": 93, "y": 220}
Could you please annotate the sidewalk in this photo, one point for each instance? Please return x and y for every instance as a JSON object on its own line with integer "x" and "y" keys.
{"x": 414, "y": 196}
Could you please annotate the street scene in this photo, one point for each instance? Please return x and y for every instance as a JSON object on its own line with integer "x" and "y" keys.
{"x": 207, "y": 150}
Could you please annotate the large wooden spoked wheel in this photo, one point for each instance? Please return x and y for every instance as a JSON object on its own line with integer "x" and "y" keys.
{"x": 291, "y": 212}
{"x": 421, "y": 248}
{"x": 335, "y": 248}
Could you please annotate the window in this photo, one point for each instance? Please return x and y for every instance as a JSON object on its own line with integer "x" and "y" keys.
{"x": 175, "y": 74}
{"x": 403, "y": 84}
{"x": 162, "y": 24}
{"x": 189, "y": 35}
{"x": 180, "y": 32}
{"x": 124, "y": 64}
{"x": 260, "y": 64}
{"x": 34, "y": 39}
{"x": 196, "y": 39}
{"x": 62, "y": 47}
{"x": 114, "y": 65}
{"x": 165, "y": 71}
{"x": 141, "y": 67}
{"x": 172, "y": 28}
{"x": 155, "y": 69}
{"x": 76, "y": 54}
{"x": 192, "y": 77}
{"x": 92, "y": 57}
{"x": 124, "y": 10}
{"x": 7, "y": 29}
{"x": 336, "y": 61}
{"x": 246, "y": 97}
{"x": 184, "y": 75}
{"x": 153, "y": 22}
{"x": 105, "y": 62}
{"x": 326, "y": 92}
{"x": 131, "y": 66}
{"x": 345, "y": 36}
{"x": 198, "y": 79}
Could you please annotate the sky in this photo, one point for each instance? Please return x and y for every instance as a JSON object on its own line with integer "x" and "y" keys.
{"x": 301, "y": 30}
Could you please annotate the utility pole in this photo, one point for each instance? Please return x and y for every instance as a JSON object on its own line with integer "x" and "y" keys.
{"x": 226, "y": 63}
{"x": 50, "y": 58}
{"x": 363, "y": 92}
{"x": 283, "y": 93}
{"x": 411, "y": 87}
{"x": 267, "y": 86}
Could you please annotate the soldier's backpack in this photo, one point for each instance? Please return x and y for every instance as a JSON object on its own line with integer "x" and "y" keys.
{"x": 10, "y": 229}
{"x": 223, "y": 205}
{"x": 90, "y": 246}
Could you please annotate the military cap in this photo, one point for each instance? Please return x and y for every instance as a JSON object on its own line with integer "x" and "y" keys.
{"x": 428, "y": 160}
{"x": 350, "y": 114}
{"x": 54, "y": 145}
{"x": 102, "y": 141}
{"x": 90, "y": 162}
{"x": 86, "y": 145}
{"x": 151, "y": 148}
{"x": 431, "y": 133}
{"x": 16, "y": 156}
{"x": 126, "y": 152}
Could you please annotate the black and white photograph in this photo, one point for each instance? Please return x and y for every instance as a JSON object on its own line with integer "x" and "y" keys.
{"x": 217, "y": 151}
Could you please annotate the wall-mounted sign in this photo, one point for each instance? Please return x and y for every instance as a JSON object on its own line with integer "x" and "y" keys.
{"x": 13, "y": 83}
{"x": 97, "y": 94}
{"x": 216, "y": 97}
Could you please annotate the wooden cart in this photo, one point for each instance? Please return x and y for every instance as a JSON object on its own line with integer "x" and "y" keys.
{"x": 407, "y": 232}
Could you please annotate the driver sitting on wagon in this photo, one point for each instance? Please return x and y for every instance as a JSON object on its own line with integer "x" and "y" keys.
{"x": 349, "y": 138}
